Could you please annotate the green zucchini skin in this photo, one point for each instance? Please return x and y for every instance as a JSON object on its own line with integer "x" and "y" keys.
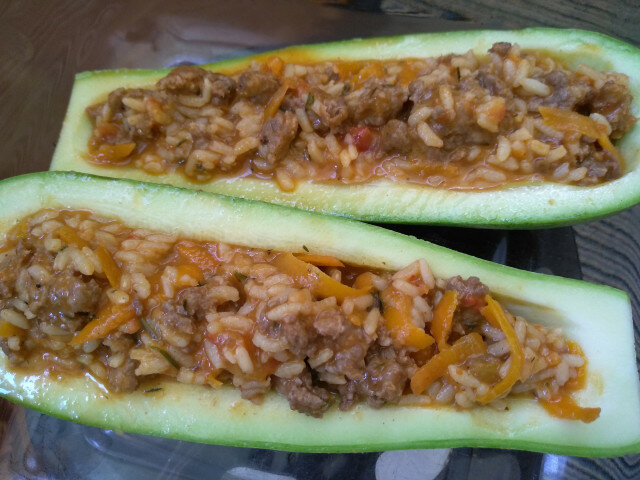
{"x": 526, "y": 205}
{"x": 597, "y": 317}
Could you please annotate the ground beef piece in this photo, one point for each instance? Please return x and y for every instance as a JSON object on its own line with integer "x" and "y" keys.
{"x": 122, "y": 379}
{"x": 190, "y": 80}
{"x": 172, "y": 327}
{"x": 564, "y": 94}
{"x": 350, "y": 349}
{"x": 395, "y": 137}
{"x": 600, "y": 170}
{"x": 176, "y": 321}
{"x": 71, "y": 294}
{"x": 276, "y": 136}
{"x": 114, "y": 100}
{"x": 376, "y": 102}
{"x": 299, "y": 335}
{"x": 385, "y": 377}
{"x": 292, "y": 102}
{"x": 463, "y": 131}
{"x": 330, "y": 323}
{"x": 500, "y": 48}
{"x": 491, "y": 82}
{"x": 196, "y": 302}
{"x": 384, "y": 380}
{"x": 471, "y": 292}
{"x": 420, "y": 90}
{"x": 326, "y": 112}
{"x": 302, "y": 395}
{"x": 134, "y": 126}
{"x": 257, "y": 86}
{"x": 613, "y": 101}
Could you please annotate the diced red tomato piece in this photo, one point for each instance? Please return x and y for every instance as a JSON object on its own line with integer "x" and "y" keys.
{"x": 362, "y": 138}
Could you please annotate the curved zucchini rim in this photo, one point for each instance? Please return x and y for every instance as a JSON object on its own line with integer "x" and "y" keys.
{"x": 524, "y": 205}
{"x": 596, "y": 316}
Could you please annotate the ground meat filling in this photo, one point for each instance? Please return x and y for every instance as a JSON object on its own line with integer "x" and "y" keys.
{"x": 80, "y": 294}
{"x": 458, "y": 121}
{"x": 276, "y": 136}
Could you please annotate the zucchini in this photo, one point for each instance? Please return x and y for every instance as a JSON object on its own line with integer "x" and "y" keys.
{"x": 597, "y": 317}
{"x": 512, "y": 206}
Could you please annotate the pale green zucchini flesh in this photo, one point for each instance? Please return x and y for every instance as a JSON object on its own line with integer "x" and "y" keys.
{"x": 513, "y": 206}
{"x": 597, "y": 317}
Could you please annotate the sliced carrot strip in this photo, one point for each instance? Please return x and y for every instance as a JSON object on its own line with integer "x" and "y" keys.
{"x": 494, "y": 314}
{"x": 109, "y": 266}
{"x": 442, "y": 322}
{"x": 372, "y": 69}
{"x": 438, "y": 365}
{"x": 276, "y": 65}
{"x": 566, "y": 407}
{"x": 199, "y": 256}
{"x": 320, "y": 260}
{"x": 310, "y": 276}
{"x": 357, "y": 318}
{"x": 276, "y": 100}
{"x": 190, "y": 270}
{"x": 107, "y": 320}
{"x": 364, "y": 280}
{"x": 69, "y": 236}
{"x": 397, "y": 316}
{"x": 570, "y": 121}
{"x": 10, "y": 330}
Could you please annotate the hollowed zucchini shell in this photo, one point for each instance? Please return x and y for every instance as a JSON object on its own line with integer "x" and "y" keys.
{"x": 597, "y": 317}
{"x": 524, "y": 205}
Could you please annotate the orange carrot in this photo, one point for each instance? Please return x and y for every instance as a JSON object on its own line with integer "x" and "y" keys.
{"x": 565, "y": 407}
{"x": 364, "y": 280}
{"x": 320, "y": 260}
{"x": 70, "y": 237}
{"x": 10, "y": 330}
{"x": 357, "y": 318}
{"x": 372, "y": 69}
{"x": 107, "y": 320}
{"x": 197, "y": 255}
{"x": 438, "y": 365}
{"x": 310, "y": 276}
{"x": 276, "y": 99}
{"x": 494, "y": 314}
{"x": 397, "y": 316}
{"x": 109, "y": 266}
{"x": 189, "y": 270}
{"x": 570, "y": 121}
{"x": 442, "y": 322}
{"x": 276, "y": 65}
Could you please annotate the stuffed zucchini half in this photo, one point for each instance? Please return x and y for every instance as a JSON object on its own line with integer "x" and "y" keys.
{"x": 597, "y": 318}
{"x": 508, "y": 129}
